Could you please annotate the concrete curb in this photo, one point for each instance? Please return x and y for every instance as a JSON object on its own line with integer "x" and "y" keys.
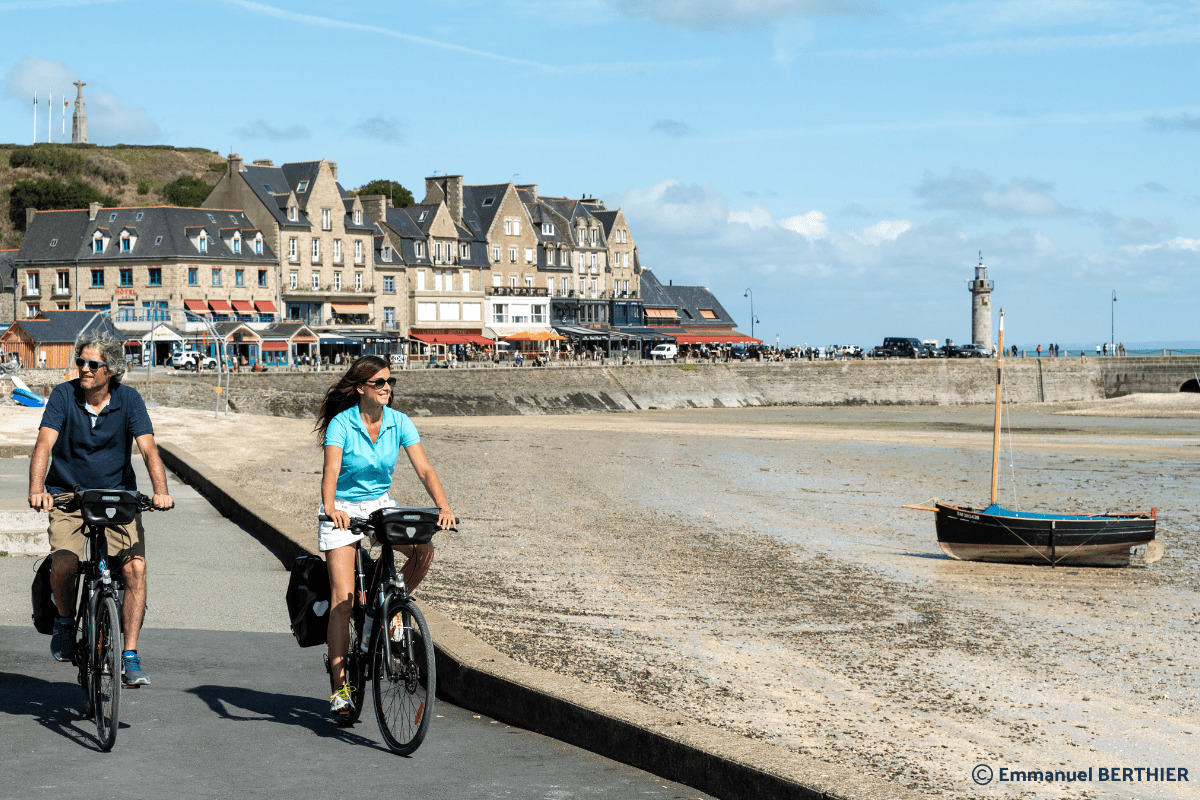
{"x": 478, "y": 677}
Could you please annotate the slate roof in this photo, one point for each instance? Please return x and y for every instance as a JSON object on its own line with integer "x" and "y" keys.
{"x": 478, "y": 217}
{"x": 162, "y": 233}
{"x": 64, "y": 326}
{"x": 298, "y": 172}
{"x": 270, "y": 185}
{"x": 687, "y": 300}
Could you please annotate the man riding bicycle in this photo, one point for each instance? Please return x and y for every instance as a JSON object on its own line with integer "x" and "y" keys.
{"x": 89, "y": 427}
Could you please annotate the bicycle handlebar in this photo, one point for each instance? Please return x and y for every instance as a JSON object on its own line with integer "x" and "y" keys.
{"x": 144, "y": 502}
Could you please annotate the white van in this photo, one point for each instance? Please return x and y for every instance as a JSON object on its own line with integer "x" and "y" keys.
{"x": 664, "y": 351}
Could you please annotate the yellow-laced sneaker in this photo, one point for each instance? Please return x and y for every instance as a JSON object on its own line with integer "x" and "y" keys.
{"x": 340, "y": 702}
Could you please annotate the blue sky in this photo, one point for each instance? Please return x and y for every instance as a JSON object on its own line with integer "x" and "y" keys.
{"x": 844, "y": 160}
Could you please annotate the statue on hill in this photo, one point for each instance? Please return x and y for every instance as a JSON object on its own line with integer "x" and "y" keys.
{"x": 79, "y": 119}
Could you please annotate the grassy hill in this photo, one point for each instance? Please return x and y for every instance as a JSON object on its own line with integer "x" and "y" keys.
{"x": 133, "y": 175}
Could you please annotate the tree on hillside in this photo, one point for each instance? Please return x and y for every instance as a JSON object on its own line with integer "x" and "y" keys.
{"x": 46, "y": 194}
{"x": 401, "y": 197}
{"x": 186, "y": 190}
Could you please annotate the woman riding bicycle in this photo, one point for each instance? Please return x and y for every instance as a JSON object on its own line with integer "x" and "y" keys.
{"x": 362, "y": 435}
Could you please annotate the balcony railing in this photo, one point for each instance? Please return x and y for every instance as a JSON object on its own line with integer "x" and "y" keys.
{"x": 32, "y": 292}
{"x": 62, "y": 291}
{"x": 518, "y": 291}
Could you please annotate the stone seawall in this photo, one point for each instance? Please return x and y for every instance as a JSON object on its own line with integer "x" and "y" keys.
{"x": 529, "y": 390}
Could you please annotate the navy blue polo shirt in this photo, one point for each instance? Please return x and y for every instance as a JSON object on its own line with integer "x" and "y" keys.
{"x": 93, "y": 457}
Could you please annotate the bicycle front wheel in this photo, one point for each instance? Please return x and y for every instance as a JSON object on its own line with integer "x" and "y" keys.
{"x": 356, "y": 671}
{"x": 403, "y": 678}
{"x": 105, "y": 655}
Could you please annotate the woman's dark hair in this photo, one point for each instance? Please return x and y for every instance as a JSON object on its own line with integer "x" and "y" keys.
{"x": 344, "y": 393}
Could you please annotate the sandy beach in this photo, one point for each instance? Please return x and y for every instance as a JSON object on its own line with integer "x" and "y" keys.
{"x": 755, "y": 569}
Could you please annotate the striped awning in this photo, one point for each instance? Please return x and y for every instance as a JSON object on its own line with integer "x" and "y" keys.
{"x": 351, "y": 308}
{"x": 243, "y": 306}
{"x": 220, "y": 305}
{"x": 195, "y": 306}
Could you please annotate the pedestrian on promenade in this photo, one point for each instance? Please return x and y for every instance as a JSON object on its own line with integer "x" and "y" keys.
{"x": 85, "y": 439}
{"x": 361, "y": 435}
{"x": 1039, "y": 351}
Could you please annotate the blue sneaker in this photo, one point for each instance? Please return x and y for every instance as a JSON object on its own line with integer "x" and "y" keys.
{"x": 60, "y": 641}
{"x": 131, "y": 670}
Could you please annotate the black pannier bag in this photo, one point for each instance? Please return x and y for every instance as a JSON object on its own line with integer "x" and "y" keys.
{"x": 308, "y": 600}
{"x": 106, "y": 507}
{"x": 44, "y": 610}
{"x": 405, "y": 525}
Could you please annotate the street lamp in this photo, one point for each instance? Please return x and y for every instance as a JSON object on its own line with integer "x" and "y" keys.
{"x": 1112, "y": 321}
{"x": 750, "y": 294}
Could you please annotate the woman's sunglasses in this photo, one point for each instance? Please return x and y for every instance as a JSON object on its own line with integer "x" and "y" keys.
{"x": 379, "y": 383}
{"x": 94, "y": 366}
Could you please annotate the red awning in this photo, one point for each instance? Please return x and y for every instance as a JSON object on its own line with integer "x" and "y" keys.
{"x": 196, "y": 306}
{"x": 243, "y": 306}
{"x": 481, "y": 341}
{"x": 220, "y": 305}
{"x": 273, "y": 347}
{"x": 719, "y": 336}
{"x": 351, "y": 308}
{"x": 439, "y": 338}
{"x": 265, "y": 307}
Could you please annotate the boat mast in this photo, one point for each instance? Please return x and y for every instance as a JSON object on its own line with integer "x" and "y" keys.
{"x": 996, "y": 434}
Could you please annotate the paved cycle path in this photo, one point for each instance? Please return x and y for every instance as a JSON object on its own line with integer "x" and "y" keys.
{"x": 236, "y": 708}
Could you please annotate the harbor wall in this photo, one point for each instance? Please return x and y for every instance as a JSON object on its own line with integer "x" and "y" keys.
{"x": 596, "y": 388}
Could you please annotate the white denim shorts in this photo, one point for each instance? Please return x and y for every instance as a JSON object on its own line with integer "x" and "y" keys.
{"x": 331, "y": 538}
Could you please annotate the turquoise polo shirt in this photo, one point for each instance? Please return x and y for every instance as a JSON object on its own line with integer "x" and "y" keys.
{"x": 367, "y": 466}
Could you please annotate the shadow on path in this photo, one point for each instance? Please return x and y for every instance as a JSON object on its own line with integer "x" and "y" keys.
{"x": 55, "y": 705}
{"x": 250, "y": 705}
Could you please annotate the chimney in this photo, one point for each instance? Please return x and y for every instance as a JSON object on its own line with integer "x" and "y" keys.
{"x": 374, "y": 206}
{"x": 333, "y": 169}
{"x": 447, "y": 189}
{"x": 29, "y": 215}
{"x": 93, "y": 210}
{"x": 531, "y": 188}
{"x": 235, "y": 163}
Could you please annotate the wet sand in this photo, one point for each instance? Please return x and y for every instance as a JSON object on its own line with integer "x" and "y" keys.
{"x": 754, "y": 569}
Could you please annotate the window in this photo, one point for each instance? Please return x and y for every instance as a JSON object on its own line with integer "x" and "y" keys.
{"x": 579, "y": 237}
{"x": 54, "y": 242}
{"x": 549, "y": 256}
{"x": 211, "y": 218}
{"x": 528, "y": 281}
{"x": 708, "y": 313}
{"x": 422, "y": 216}
{"x": 512, "y": 227}
{"x": 512, "y": 254}
{"x": 303, "y": 187}
{"x": 64, "y": 283}
{"x": 293, "y": 251}
{"x": 496, "y": 253}
{"x": 448, "y": 310}
{"x": 98, "y": 244}
{"x": 203, "y": 242}
{"x": 387, "y": 253}
{"x": 358, "y": 216}
{"x": 593, "y": 236}
{"x": 258, "y": 246}
{"x": 239, "y": 277}
{"x": 437, "y": 281}
{"x": 32, "y": 310}
{"x": 516, "y": 227}
{"x": 262, "y": 277}
{"x": 337, "y": 251}
{"x": 337, "y": 281}
{"x": 495, "y": 279}
{"x": 193, "y": 276}
{"x": 389, "y": 284}
{"x": 358, "y": 251}
{"x": 158, "y": 240}
{"x": 419, "y": 249}
{"x": 216, "y": 276}
{"x": 127, "y": 276}
{"x": 112, "y": 217}
{"x": 426, "y": 312}
{"x": 466, "y": 281}
{"x": 487, "y": 201}
{"x": 358, "y": 281}
{"x": 316, "y": 281}
{"x": 437, "y": 252}
{"x": 471, "y": 312}
{"x": 389, "y": 318}
{"x": 549, "y": 287}
{"x": 154, "y": 276}
{"x": 292, "y": 213}
{"x": 316, "y": 250}
{"x": 566, "y": 287}
{"x": 512, "y": 281}
{"x": 139, "y": 216}
{"x": 32, "y": 283}
{"x": 420, "y": 280}
{"x": 97, "y": 278}
{"x": 326, "y": 219}
{"x": 500, "y": 312}
{"x": 464, "y": 250}
{"x": 528, "y": 255}
{"x": 547, "y": 228}
{"x": 293, "y": 280}
{"x": 537, "y": 313}
{"x": 237, "y": 245}
{"x": 579, "y": 259}
{"x": 125, "y": 243}
{"x": 593, "y": 260}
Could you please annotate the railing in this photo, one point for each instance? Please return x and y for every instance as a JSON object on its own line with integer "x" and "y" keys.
{"x": 62, "y": 291}
{"x": 518, "y": 291}
{"x": 34, "y": 292}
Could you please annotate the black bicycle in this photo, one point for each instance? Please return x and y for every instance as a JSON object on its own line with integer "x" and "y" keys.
{"x": 390, "y": 643}
{"x": 98, "y": 640}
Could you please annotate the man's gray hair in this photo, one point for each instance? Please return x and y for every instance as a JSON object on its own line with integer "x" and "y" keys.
{"x": 111, "y": 350}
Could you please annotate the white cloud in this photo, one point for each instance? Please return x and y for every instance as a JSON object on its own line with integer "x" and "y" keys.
{"x": 810, "y": 225}
{"x": 110, "y": 119}
{"x": 975, "y": 192}
{"x": 671, "y": 207}
{"x": 888, "y": 230}
{"x": 1180, "y": 244}
{"x": 711, "y": 14}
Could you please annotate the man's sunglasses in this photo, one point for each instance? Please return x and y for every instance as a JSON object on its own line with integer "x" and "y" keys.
{"x": 94, "y": 366}
{"x": 379, "y": 383}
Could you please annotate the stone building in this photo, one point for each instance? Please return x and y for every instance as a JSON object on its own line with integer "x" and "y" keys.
{"x": 145, "y": 263}
{"x": 322, "y": 235}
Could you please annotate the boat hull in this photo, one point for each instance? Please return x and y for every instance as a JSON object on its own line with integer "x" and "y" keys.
{"x": 973, "y": 534}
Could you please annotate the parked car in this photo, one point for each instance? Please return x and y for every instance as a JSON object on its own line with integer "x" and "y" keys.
{"x": 664, "y": 351}
{"x": 189, "y": 359}
{"x": 973, "y": 351}
{"x": 901, "y": 347}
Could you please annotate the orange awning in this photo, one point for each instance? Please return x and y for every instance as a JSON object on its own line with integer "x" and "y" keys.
{"x": 220, "y": 305}
{"x": 274, "y": 347}
{"x": 351, "y": 308}
{"x": 196, "y": 306}
{"x": 535, "y": 336}
{"x": 661, "y": 313}
{"x": 243, "y": 306}
{"x": 265, "y": 307}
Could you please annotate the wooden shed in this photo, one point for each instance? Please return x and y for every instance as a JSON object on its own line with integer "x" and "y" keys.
{"x": 48, "y": 340}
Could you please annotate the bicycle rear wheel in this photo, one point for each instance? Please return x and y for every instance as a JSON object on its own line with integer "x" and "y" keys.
{"x": 403, "y": 677}
{"x": 356, "y": 671}
{"x": 105, "y": 657}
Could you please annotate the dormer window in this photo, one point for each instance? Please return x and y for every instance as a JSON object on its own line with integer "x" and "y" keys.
{"x": 98, "y": 242}
{"x": 211, "y": 219}
{"x": 464, "y": 250}
{"x": 233, "y": 219}
{"x": 419, "y": 248}
{"x": 387, "y": 253}
{"x": 293, "y": 214}
{"x": 112, "y": 217}
{"x": 158, "y": 240}
{"x": 203, "y": 242}
{"x": 258, "y": 245}
{"x": 326, "y": 219}
{"x": 422, "y": 217}
{"x": 126, "y": 243}
{"x": 303, "y": 187}
{"x": 54, "y": 242}
{"x": 547, "y": 228}
{"x": 358, "y": 216}
{"x": 237, "y": 245}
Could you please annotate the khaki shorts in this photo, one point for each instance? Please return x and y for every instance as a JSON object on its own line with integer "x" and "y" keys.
{"x": 66, "y": 533}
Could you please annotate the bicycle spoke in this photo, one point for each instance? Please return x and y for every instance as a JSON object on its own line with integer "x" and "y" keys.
{"x": 404, "y": 679}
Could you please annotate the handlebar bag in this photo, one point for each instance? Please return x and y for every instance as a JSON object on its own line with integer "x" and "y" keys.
{"x": 404, "y": 525}
{"x": 107, "y": 507}
{"x": 308, "y": 600}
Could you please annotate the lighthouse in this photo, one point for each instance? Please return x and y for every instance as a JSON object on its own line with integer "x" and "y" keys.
{"x": 981, "y": 306}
